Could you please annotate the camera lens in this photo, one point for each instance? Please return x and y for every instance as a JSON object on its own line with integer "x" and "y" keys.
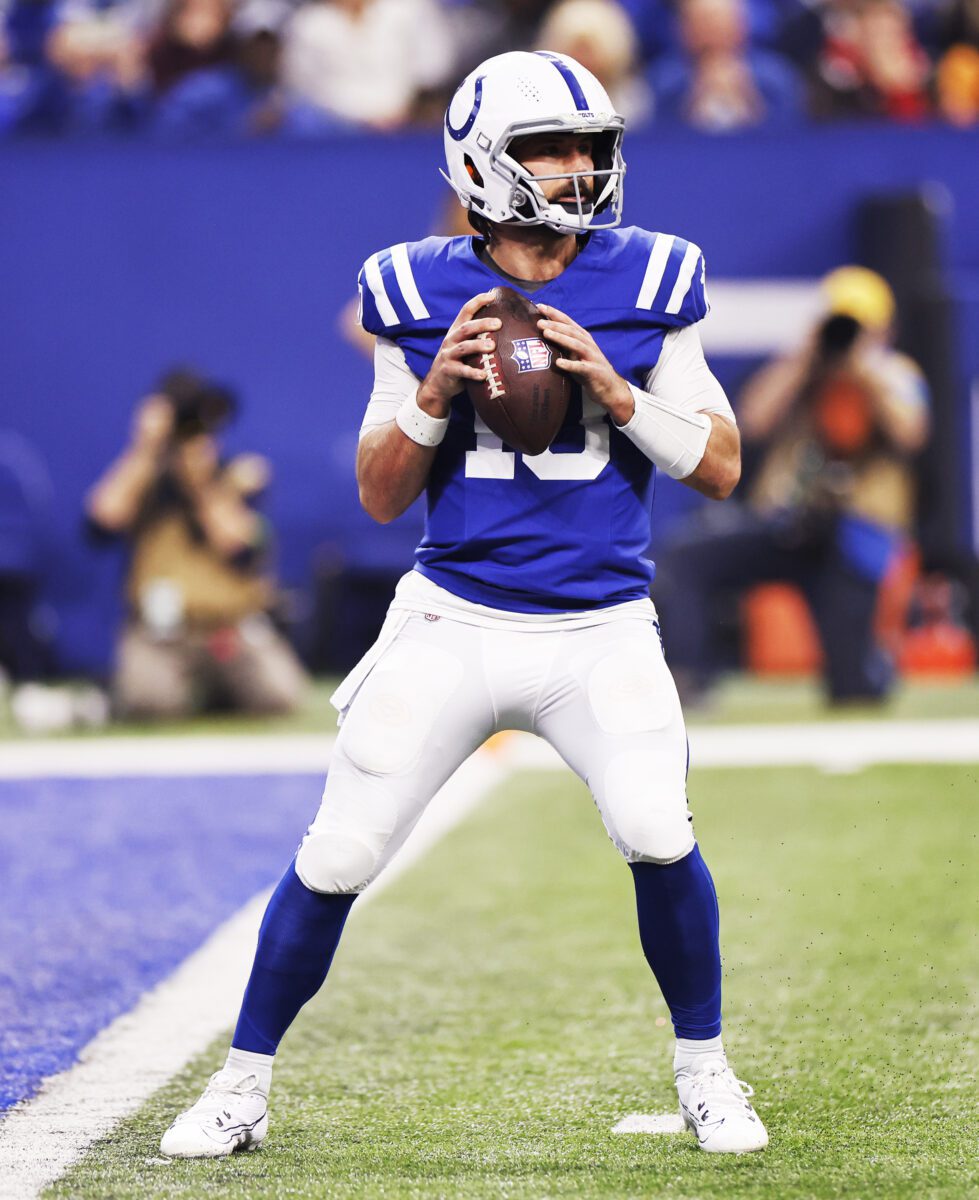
{"x": 838, "y": 334}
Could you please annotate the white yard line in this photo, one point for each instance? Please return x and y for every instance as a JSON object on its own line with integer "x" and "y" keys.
{"x": 835, "y": 746}
{"x": 106, "y": 757}
{"x": 143, "y": 1049}
{"x": 829, "y": 745}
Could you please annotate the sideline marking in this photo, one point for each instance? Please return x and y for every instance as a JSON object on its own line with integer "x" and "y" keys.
{"x": 128, "y": 757}
{"x": 837, "y": 747}
{"x": 143, "y": 1049}
{"x": 670, "y": 1122}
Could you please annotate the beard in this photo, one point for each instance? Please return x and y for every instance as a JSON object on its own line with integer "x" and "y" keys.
{"x": 568, "y": 200}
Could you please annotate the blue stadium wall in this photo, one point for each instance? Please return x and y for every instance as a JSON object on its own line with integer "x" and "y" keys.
{"x": 117, "y": 259}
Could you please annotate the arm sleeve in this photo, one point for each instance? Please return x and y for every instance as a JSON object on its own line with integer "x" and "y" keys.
{"x": 671, "y": 424}
{"x": 682, "y": 378}
{"x": 394, "y": 382}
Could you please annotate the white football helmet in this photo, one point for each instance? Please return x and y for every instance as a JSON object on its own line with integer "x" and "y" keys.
{"x": 521, "y": 93}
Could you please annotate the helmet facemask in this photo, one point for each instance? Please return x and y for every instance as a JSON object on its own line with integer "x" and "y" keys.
{"x": 596, "y": 192}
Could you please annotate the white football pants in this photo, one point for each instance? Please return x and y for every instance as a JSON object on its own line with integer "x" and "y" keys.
{"x": 602, "y": 696}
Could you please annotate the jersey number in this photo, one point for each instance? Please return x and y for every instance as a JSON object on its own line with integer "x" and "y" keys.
{"x": 490, "y": 461}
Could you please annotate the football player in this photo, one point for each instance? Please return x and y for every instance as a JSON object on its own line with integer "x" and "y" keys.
{"x": 528, "y": 606}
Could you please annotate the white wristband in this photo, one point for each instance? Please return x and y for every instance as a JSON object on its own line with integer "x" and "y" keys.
{"x": 415, "y": 423}
{"x": 671, "y": 438}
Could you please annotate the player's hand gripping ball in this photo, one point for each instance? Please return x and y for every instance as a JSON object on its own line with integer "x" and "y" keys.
{"x": 524, "y": 397}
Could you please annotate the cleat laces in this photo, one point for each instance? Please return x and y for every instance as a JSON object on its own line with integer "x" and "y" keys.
{"x": 214, "y": 1103}
{"x": 717, "y": 1092}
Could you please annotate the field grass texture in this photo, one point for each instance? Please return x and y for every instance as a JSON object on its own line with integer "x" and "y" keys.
{"x": 490, "y": 1018}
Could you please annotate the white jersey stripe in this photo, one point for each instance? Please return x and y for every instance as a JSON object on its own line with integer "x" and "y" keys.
{"x": 406, "y": 280}
{"x": 372, "y": 273}
{"x": 655, "y": 269}
{"x": 682, "y": 285}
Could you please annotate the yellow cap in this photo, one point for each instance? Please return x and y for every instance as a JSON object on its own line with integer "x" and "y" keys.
{"x": 861, "y": 294}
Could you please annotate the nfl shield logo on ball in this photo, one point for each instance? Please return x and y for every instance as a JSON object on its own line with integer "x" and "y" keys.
{"x": 531, "y": 354}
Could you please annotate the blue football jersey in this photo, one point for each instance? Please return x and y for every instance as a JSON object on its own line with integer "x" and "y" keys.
{"x": 567, "y": 529}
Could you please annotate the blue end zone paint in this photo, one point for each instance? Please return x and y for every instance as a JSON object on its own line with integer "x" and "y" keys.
{"x": 109, "y": 884}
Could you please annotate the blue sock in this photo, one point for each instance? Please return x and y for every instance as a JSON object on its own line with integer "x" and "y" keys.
{"x": 678, "y": 928}
{"x": 296, "y": 943}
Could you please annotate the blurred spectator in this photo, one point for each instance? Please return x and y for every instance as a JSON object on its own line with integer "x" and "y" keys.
{"x": 871, "y": 63}
{"x": 304, "y": 67}
{"x": 482, "y": 28}
{"x": 598, "y": 34}
{"x": 782, "y": 25}
{"x": 27, "y": 622}
{"x": 836, "y": 427}
{"x": 32, "y": 95}
{"x": 246, "y": 97}
{"x": 718, "y": 81}
{"x": 368, "y": 61}
{"x": 99, "y": 47}
{"x": 957, "y": 85}
{"x": 960, "y": 24}
{"x": 654, "y": 22}
{"x": 957, "y": 77}
{"x": 25, "y": 503}
{"x": 198, "y": 589}
{"x": 193, "y": 35}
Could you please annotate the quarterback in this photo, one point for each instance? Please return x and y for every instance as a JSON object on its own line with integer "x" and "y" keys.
{"x": 528, "y": 605}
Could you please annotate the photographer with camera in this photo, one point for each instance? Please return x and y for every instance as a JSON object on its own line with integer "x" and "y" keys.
{"x": 834, "y": 429}
{"x": 197, "y": 633}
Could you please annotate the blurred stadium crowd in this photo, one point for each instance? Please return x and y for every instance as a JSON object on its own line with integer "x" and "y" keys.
{"x": 836, "y": 548}
{"x": 299, "y": 68}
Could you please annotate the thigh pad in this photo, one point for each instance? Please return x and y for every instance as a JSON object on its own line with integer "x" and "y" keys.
{"x": 397, "y": 706}
{"x": 630, "y": 690}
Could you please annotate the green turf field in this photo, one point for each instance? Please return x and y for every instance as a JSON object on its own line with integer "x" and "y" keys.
{"x": 490, "y": 1017}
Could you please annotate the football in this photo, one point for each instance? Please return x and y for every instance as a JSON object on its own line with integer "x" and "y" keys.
{"x": 524, "y": 397}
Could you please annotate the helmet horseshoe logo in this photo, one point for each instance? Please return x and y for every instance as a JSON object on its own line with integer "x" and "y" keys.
{"x": 458, "y": 134}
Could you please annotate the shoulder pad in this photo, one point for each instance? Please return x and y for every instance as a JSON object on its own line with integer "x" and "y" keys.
{"x": 673, "y": 285}
{"x": 389, "y": 283}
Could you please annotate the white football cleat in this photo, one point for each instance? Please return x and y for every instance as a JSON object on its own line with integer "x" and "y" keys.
{"x": 714, "y": 1104}
{"x": 231, "y": 1115}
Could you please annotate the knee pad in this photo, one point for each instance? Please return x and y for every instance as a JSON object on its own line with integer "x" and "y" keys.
{"x": 646, "y": 805}
{"x": 657, "y": 839}
{"x": 395, "y": 710}
{"x": 354, "y": 824}
{"x": 335, "y": 862}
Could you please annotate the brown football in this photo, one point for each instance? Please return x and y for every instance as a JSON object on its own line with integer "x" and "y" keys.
{"x": 524, "y": 398}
